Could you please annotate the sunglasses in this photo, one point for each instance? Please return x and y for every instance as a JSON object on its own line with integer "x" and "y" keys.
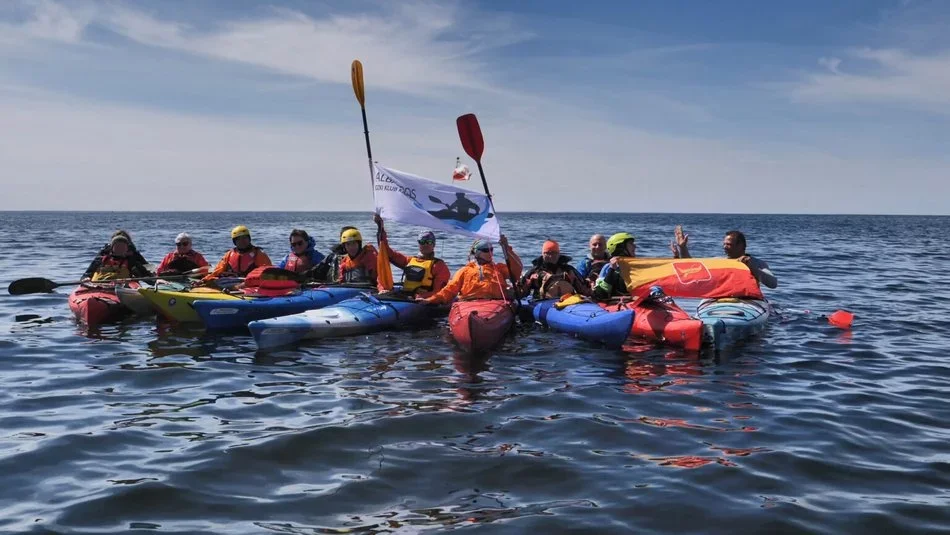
{"x": 297, "y": 243}
{"x": 426, "y": 242}
{"x": 183, "y": 243}
{"x": 483, "y": 250}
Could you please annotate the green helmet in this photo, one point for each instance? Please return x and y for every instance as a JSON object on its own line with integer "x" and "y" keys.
{"x": 615, "y": 243}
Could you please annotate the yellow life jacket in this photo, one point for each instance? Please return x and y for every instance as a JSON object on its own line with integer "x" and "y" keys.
{"x": 111, "y": 269}
{"x": 417, "y": 275}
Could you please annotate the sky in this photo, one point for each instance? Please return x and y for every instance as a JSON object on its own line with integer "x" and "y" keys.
{"x": 674, "y": 106}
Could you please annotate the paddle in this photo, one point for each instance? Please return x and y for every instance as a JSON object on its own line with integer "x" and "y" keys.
{"x": 384, "y": 272}
{"x": 435, "y": 199}
{"x": 33, "y": 285}
{"x": 470, "y": 133}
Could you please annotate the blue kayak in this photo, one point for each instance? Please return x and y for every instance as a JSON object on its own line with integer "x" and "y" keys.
{"x": 728, "y": 320}
{"x": 237, "y": 313}
{"x": 363, "y": 314}
{"x": 585, "y": 320}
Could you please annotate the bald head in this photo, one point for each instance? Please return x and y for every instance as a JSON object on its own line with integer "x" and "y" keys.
{"x": 598, "y": 246}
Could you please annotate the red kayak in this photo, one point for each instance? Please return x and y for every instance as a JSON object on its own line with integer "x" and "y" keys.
{"x": 480, "y": 324}
{"x": 663, "y": 321}
{"x": 96, "y": 305}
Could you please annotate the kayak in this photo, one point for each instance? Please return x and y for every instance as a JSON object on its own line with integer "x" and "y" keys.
{"x": 662, "y": 320}
{"x": 130, "y": 297}
{"x": 178, "y": 305}
{"x": 480, "y": 324}
{"x": 236, "y": 314}
{"x": 362, "y": 314}
{"x": 585, "y": 320}
{"x": 728, "y": 320}
{"x": 95, "y": 305}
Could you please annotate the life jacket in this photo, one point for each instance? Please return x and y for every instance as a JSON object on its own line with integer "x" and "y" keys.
{"x": 240, "y": 264}
{"x": 595, "y": 266}
{"x": 417, "y": 275}
{"x": 298, "y": 264}
{"x": 547, "y": 284}
{"x": 112, "y": 268}
{"x": 270, "y": 281}
{"x": 183, "y": 262}
{"x": 355, "y": 270}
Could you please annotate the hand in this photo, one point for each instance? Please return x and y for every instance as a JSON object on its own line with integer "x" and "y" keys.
{"x": 503, "y": 241}
{"x": 615, "y": 262}
{"x": 674, "y": 249}
{"x": 744, "y": 259}
{"x": 85, "y": 279}
{"x": 378, "y": 220}
{"x": 682, "y": 240}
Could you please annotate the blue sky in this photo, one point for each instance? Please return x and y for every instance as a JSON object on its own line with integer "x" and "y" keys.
{"x": 796, "y": 107}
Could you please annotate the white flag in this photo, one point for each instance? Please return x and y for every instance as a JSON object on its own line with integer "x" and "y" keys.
{"x": 419, "y": 201}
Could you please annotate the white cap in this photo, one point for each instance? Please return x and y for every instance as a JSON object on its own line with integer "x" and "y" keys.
{"x": 183, "y": 236}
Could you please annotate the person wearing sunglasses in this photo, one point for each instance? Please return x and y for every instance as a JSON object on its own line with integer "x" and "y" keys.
{"x": 552, "y": 275}
{"x": 422, "y": 274}
{"x": 183, "y": 258}
{"x": 481, "y": 278}
{"x": 119, "y": 259}
{"x": 303, "y": 255}
{"x": 240, "y": 260}
{"x": 610, "y": 282}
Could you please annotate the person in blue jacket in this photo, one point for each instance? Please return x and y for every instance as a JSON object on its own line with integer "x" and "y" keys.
{"x": 303, "y": 254}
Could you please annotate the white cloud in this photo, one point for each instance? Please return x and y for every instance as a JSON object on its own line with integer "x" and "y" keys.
{"x": 898, "y": 78}
{"x": 45, "y": 20}
{"x": 421, "y": 47}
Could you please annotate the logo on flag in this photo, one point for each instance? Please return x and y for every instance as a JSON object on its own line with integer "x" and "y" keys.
{"x": 419, "y": 201}
{"x": 691, "y": 272}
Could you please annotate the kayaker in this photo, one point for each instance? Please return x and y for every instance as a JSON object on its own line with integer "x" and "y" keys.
{"x": 423, "y": 274}
{"x": 733, "y": 244}
{"x": 303, "y": 255}
{"x": 329, "y": 268}
{"x": 117, "y": 260}
{"x": 481, "y": 278}
{"x": 552, "y": 275}
{"x": 610, "y": 283}
{"x": 184, "y": 258}
{"x": 358, "y": 264}
{"x": 590, "y": 266}
{"x": 241, "y": 259}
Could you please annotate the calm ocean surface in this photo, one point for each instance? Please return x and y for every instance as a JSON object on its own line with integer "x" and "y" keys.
{"x": 808, "y": 428}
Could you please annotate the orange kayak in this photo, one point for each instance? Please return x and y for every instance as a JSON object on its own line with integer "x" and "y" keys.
{"x": 480, "y": 324}
{"x": 663, "y": 321}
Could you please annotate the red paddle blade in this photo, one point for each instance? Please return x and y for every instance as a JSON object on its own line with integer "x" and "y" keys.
{"x": 841, "y": 319}
{"x": 471, "y": 135}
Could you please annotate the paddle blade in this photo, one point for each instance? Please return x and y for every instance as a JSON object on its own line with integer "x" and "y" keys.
{"x": 384, "y": 271}
{"x": 841, "y": 319}
{"x": 471, "y": 135}
{"x": 32, "y": 285}
{"x": 356, "y": 72}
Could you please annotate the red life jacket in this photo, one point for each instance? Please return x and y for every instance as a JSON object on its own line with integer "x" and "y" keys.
{"x": 240, "y": 264}
{"x": 298, "y": 264}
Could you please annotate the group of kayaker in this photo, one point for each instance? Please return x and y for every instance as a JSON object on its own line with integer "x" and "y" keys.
{"x": 425, "y": 277}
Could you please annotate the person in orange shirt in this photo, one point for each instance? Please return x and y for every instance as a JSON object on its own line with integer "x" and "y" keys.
{"x": 240, "y": 260}
{"x": 359, "y": 263}
{"x": 481, "y": 278}
{"x": 422, "y": 274}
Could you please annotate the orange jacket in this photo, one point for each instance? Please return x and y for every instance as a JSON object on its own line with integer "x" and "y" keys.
{"x": 359, "y": 269}
{"x": 240, "y": 263}
{"x": 474, "y": 281}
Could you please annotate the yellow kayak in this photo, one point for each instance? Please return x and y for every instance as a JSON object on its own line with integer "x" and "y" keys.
{"x": 177, "y": 305}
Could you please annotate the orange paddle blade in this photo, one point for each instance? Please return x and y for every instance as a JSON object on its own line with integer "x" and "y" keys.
{"x": 384, "y": 271}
